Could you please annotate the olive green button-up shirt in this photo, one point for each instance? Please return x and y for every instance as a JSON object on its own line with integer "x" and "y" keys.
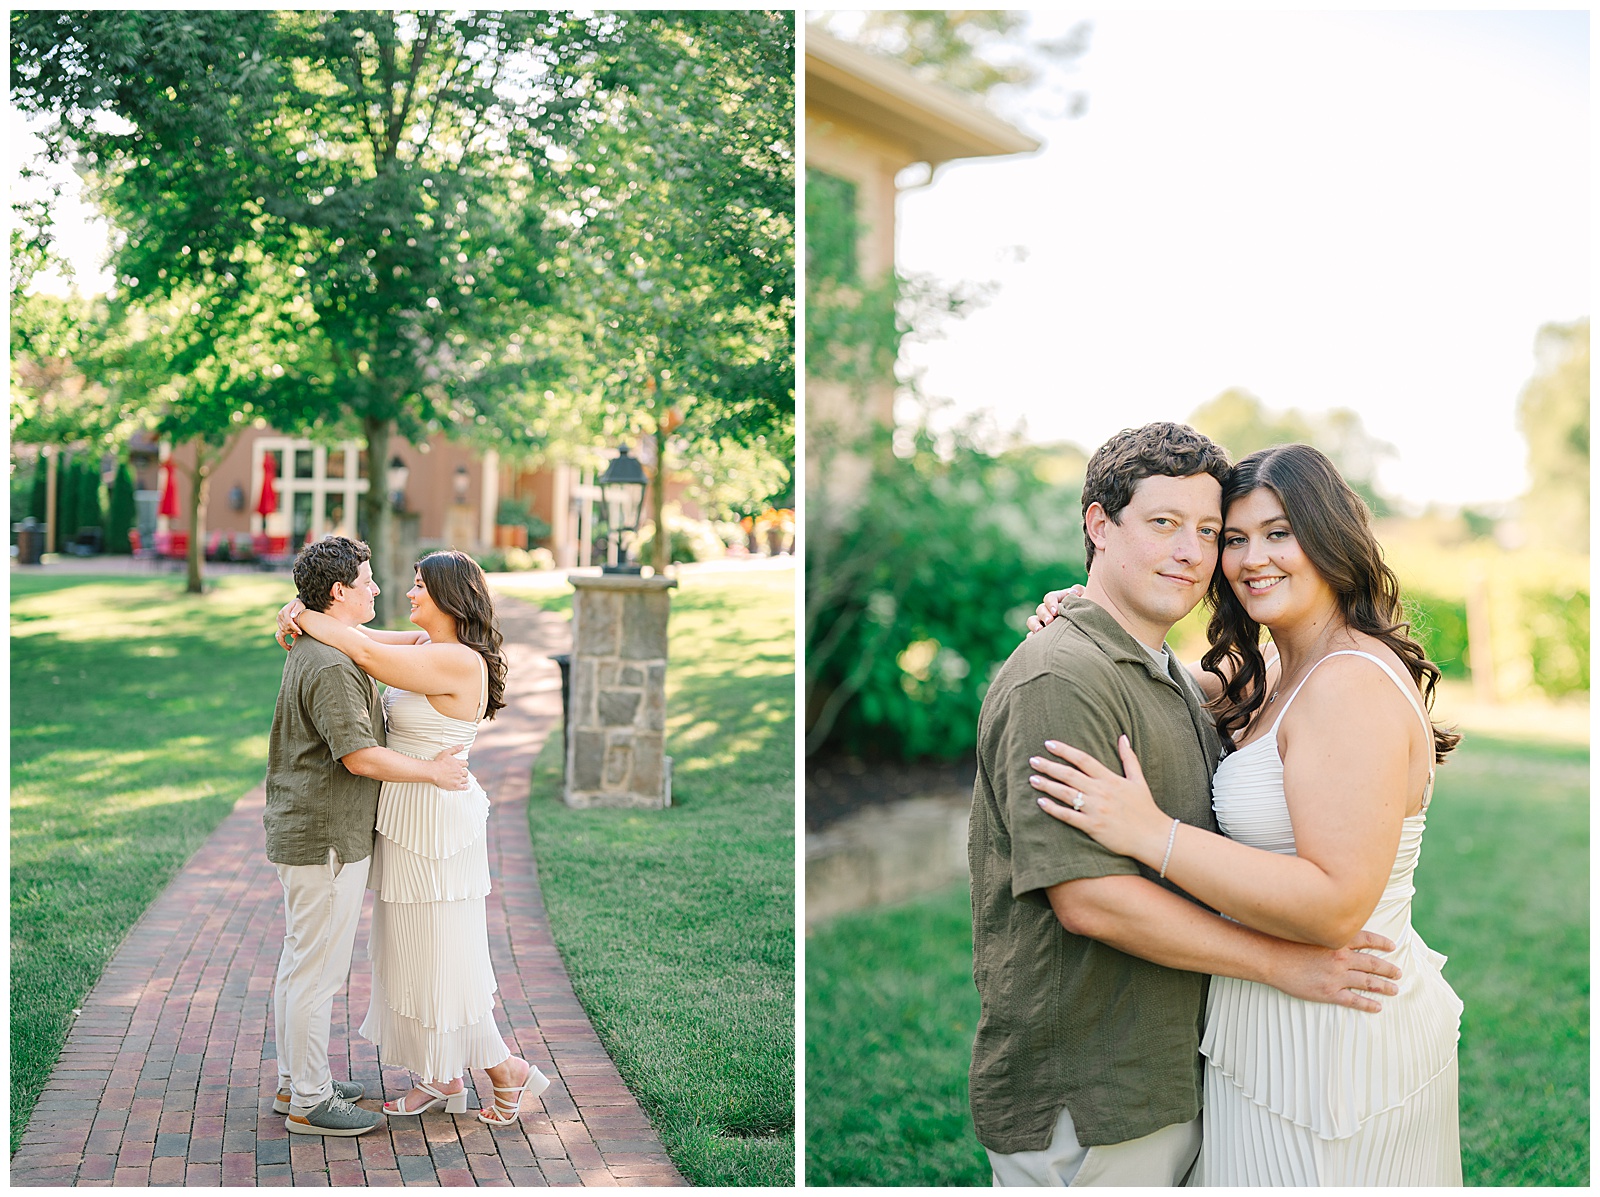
{"x": 327, "y": 708}
{"x": 1069, "y": 1021}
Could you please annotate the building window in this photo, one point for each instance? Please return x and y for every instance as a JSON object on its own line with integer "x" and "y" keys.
{"x": 319, "y": 495}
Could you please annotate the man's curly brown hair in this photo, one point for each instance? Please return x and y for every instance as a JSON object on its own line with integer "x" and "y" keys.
{"x": 324, "y": 562}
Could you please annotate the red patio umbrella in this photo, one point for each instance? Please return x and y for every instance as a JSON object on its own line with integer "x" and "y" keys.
{"x": 169, "y": 493}
{"x": 268, "y": 503}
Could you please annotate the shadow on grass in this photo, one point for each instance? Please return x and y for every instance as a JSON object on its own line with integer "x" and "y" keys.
{"x": 677, "y": 926}
{"x": 138, "y": 717}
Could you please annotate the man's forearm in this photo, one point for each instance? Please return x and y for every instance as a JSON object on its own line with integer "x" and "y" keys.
{"x": 384, "y": 764}
{"x": 1138, "y": 917}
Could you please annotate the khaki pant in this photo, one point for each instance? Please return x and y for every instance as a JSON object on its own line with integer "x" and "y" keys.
{"x": 321, "y": 907}
{"x": 1161, "y": 1159}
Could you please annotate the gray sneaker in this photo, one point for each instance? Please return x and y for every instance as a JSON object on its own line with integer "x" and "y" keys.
{"x": 349, "y": 1090}
{"x": 335, "y": 1116}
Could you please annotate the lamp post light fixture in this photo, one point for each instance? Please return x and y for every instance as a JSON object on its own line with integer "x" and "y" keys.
{"x": 397, "y": 476}
{"x": 623, "y": 486}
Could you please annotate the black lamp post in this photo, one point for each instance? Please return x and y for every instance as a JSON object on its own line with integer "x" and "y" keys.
{"x": 398, "y": 475}
{"x": 623, "y": 486}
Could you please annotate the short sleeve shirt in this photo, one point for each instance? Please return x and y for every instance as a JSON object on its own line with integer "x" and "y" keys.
{"x": 1065, "y": 1020}
{"x": 327, "y": 708}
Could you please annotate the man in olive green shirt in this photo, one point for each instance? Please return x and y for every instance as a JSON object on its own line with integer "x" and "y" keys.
{"x": 1092, "y": 969}
{"x": 325, "y": 765}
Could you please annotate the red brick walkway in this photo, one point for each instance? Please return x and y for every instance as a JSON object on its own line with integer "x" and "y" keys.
{"x": 167, "y": 1075}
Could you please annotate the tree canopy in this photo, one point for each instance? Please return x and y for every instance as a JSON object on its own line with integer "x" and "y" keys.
{"x": 395, "y": 212}
{"x": 1553, "y": 412}
{"x": 1241, "y": 423}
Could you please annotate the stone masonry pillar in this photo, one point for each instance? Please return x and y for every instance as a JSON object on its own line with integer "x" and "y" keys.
{"x": 618, "y": 705}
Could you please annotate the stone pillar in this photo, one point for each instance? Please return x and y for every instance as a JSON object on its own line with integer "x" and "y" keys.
{"x": 617, "y": 712}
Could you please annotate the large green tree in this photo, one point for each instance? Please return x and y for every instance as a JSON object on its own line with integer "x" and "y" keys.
{"x": 1241, "y": 423}
{"x": 1553, "y": 413}
{"x": 677, "y": 253}
{"x": 424, "y": 180}
{"x": 391, "y": 164}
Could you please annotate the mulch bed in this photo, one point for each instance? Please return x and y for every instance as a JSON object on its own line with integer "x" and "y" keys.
{"x": 838, "y": 784}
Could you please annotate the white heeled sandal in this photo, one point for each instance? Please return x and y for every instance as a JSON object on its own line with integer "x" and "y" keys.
{"x": 508, "y": 1110}
{"x": 454, "y": 1103}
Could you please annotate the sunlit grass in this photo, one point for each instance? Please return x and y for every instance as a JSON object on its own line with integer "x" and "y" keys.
{"x": 677, "y": 926}
{"x": 1502, "y": 890}
{"x": 139, "y": 714}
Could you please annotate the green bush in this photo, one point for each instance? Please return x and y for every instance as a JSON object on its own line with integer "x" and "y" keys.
{"x": 920, "y": 585}
{"x": 90, "y": 512}
{"x": 22, "y": 488}
{"x": 67, "y": 502}
{"x": 1558, "y": 626}
{"x": 680, "y": 540}
{"x": 1441, "y": 625}
{"x": 38, "y": 499}
{"x": 121, "y": 515}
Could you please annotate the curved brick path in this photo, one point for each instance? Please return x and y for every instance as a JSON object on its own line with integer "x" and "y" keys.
{"x": 167, "y": 1075}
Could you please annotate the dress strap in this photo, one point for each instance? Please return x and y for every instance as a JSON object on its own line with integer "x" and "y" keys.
{"x": 1427, "y": 726}
{"x": 483, "y": 703}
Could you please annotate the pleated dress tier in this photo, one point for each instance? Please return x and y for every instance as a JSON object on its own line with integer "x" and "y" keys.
{"x": 433, "y": 986}
{"x": 1307, "y": 1093}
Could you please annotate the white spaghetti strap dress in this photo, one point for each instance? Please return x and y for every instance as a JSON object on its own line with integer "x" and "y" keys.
{"x": 1306, "y": 1093}
{"x": 433, "y": 987}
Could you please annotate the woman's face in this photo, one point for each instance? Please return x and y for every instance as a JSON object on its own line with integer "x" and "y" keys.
{"x": 1264, "y": 563}
{"x": 421, "y": 604}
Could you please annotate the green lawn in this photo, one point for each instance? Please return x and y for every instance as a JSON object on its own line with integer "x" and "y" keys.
{"x": 1503, "y": 891}
{"x": 677, "y": 926}
{"x": 139, "y": 715}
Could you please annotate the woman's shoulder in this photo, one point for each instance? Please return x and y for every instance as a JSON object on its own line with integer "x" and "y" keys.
{"x": 1349, "y": 678}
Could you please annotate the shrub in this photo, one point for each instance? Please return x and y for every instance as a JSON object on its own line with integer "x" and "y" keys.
{"x": 1441, "y": 626}
{"x": 121, "y": 514}
{"x": 1558, "y": 626}
{"x": 690, "y": 540}
{"x": 66, "y": 502}
{"x": 505, "y": 561}
{"x": 38, "y": 499}
{"x": 920, "y": 584}
{"x": 90, "y": 512}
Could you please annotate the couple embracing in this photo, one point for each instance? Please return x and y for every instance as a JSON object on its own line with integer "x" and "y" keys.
{"x": 373, "y": 792}
{"x": 1191, "y": 887}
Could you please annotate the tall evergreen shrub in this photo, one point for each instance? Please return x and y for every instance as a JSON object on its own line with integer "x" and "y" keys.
{"x": 41, "y": 480}
{"x": 121, "y": 515}
{"x": 91, "y": 512}
{"x": 67, "y": 490}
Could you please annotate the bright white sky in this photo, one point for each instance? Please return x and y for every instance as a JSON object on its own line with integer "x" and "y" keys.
{"x": 1368, "y": 210}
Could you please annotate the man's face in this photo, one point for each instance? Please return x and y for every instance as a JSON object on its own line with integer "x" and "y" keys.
{"x": 358, "y": 599}
{"x": 1154, "y": 562}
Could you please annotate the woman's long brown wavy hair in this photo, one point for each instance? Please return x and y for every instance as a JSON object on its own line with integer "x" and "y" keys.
{"x": 1333, "y": 526}
{"x": 458, "y": 588}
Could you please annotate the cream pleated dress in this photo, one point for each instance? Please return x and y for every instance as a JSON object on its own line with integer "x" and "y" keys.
{"x": 433, "y": 988}
{"x": 1307, "y": 1093}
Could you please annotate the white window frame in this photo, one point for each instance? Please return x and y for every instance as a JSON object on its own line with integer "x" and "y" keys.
{"x": 350, "y": 488}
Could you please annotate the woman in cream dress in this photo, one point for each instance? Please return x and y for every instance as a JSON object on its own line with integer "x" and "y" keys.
{"x": 433, "y": 986}
{"x": 1322, "y": 799}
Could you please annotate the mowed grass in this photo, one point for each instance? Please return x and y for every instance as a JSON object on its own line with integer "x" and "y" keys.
{"x": 677, "y": 926}
{"x": 1503, "y": 890}
{"x": 139, "y": 714}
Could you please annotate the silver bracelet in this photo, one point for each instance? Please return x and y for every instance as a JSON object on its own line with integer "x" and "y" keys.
{"x": 1171, "y": 838}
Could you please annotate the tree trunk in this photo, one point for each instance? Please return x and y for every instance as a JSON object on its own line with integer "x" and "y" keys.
{"x": 51, "y": 507}
{"x": 661, "y": 547}
{"x": 199, "y": 488}
{"x": 197, "y": 507}
{"x": 375, "y": 512}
